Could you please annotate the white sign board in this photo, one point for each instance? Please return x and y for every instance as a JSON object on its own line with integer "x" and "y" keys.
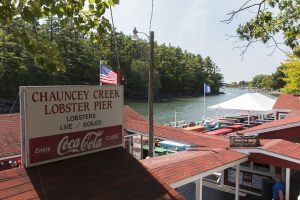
{"x": 60, "y": 122}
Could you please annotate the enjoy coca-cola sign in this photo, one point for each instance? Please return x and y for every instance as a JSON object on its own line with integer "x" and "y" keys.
{"x": 57, "y": 146}
{"x": 91, "y": 141}
{"x": 60, "y": 122}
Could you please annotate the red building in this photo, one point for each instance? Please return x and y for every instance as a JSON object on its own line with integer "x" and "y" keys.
{"x": 287, "y": 129}
{"x": 285, "y": 104}
{"x": 114, "y": 174}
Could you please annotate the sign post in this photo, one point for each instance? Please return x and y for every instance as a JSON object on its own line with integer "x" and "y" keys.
{"x": 60, "y": 122}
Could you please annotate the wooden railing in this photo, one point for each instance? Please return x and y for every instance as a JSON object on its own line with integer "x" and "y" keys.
{"x": 244, "y": 141}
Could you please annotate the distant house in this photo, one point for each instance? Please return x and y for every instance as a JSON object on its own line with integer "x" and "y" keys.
{"x": 287, "y": 129}
{"x": 285, "y": 104}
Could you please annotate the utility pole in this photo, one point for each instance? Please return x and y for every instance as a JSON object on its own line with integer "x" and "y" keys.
{"x": 150, "y": 87}
{"x": 150, "y": 94}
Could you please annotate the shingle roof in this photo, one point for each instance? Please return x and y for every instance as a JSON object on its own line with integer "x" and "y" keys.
{"x": 130, "y": 114}
{"x": 182, "y": 165}
{"x": 294, "y": 113}
{"x": 287, "y": 102}
{"x": 181, "y": 135}
{"x": 10, "y": 135}
{"x": 277, "y": 124}
{"x": 110, "y": 174}
{"x": 283, "y": 147}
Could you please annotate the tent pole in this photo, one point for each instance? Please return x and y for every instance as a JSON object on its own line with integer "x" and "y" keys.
{"x": 248, "y": 117}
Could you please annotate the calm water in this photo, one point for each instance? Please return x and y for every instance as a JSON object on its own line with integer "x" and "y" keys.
{"x": 190, "y": 109}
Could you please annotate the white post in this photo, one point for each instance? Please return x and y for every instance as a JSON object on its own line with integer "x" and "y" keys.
{"x": 129, "y": 144}
{"x": 132, "y": 145}
{"x": 248, "y": 117}
{"x": 237, "y": 181}
{"x": 142, "y": 147}
{"x": 204, "y": 109}
{"x": 199, "y": 189}
{"x": 251, "y": 165}
{"x": 272, "y": 170}
{"x": 287, "y": 183}
{"x": 222, "y": 178}
{"x": 175, "y": 119}
{"x": 22, "y": 122}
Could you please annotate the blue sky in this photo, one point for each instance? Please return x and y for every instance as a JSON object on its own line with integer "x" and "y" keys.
{"x": 194, "y": 25}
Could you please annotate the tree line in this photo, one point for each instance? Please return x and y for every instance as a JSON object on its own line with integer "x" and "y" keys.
{"x": 286, "y": 78}
{"x": 52, "y": 54}
{"x": 275, "y": 81}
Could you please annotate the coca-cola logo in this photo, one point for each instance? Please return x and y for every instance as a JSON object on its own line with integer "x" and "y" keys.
{"x": 91, "y": 141}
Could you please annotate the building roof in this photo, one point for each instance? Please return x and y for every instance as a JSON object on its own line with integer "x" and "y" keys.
{"x": 275, "y": 149}
{"x": 130, "y": 114}
{"x": 221, "y": 131}
{"x": 272, "y": 126}
{"x": 184, "y": 165}
{"x": 294, "y": 113}
{"x": 110, "y": 174}
{"x": 114, "y": 174}
{"x": 10, "y": 135}
{"x": 283, "y": 147}
{"x": 287, "y": 102}
{"x": 178, "y": 134}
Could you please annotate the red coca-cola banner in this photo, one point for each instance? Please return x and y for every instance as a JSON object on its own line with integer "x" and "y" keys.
{"x": 57, "y": 146}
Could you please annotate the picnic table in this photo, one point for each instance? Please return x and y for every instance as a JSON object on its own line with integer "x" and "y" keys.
{"x": 236, "y": 127}
{"x": 222, "y": 131}
{"x": 195, "y": 128}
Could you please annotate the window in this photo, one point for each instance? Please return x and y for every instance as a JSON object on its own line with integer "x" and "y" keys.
{"x": 261, "y": 167}
{"x": 246, "y": 164}
{"x": 282, "y": 115}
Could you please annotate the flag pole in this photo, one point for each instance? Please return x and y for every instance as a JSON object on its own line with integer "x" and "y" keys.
{"x": 100, "y": 72}
{"x": 204, "y": 110}
{"x": 175, "y": 119}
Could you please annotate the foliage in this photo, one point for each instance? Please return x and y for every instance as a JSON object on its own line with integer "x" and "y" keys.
{"x": 292, "y": 73}
{"x": 86, "y": 17}
{"x": 259, "y": 81}
{"x": 240, "y": 84}
{"x": 278, "y": 78}
{"x": 269, "y": 82}
{"x": 177, "y": 72}
{"x": 271, "y": 17}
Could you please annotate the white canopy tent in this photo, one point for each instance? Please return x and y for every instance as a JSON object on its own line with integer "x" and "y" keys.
{"x": 250, "y": 102}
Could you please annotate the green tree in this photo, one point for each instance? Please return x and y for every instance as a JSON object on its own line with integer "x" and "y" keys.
{"x": 138, "y": 82}
{"x": 278, "y": 78}
{"x": 177, "y": 72}
{"x": 257, "y": 81}
{"x": 271, "y": 18}
{"x": 89, "y": 22}
{"x": 292, "y": 73}
{"x": 267, "y": 82}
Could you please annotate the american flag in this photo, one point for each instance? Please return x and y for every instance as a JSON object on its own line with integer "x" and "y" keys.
{"x": 108, "y": 76}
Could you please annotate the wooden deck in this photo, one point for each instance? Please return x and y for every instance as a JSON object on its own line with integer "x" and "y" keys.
{"x": 213, "y": 191}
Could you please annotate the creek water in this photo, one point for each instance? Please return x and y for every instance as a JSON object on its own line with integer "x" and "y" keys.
{"x": 189, "y": 109}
